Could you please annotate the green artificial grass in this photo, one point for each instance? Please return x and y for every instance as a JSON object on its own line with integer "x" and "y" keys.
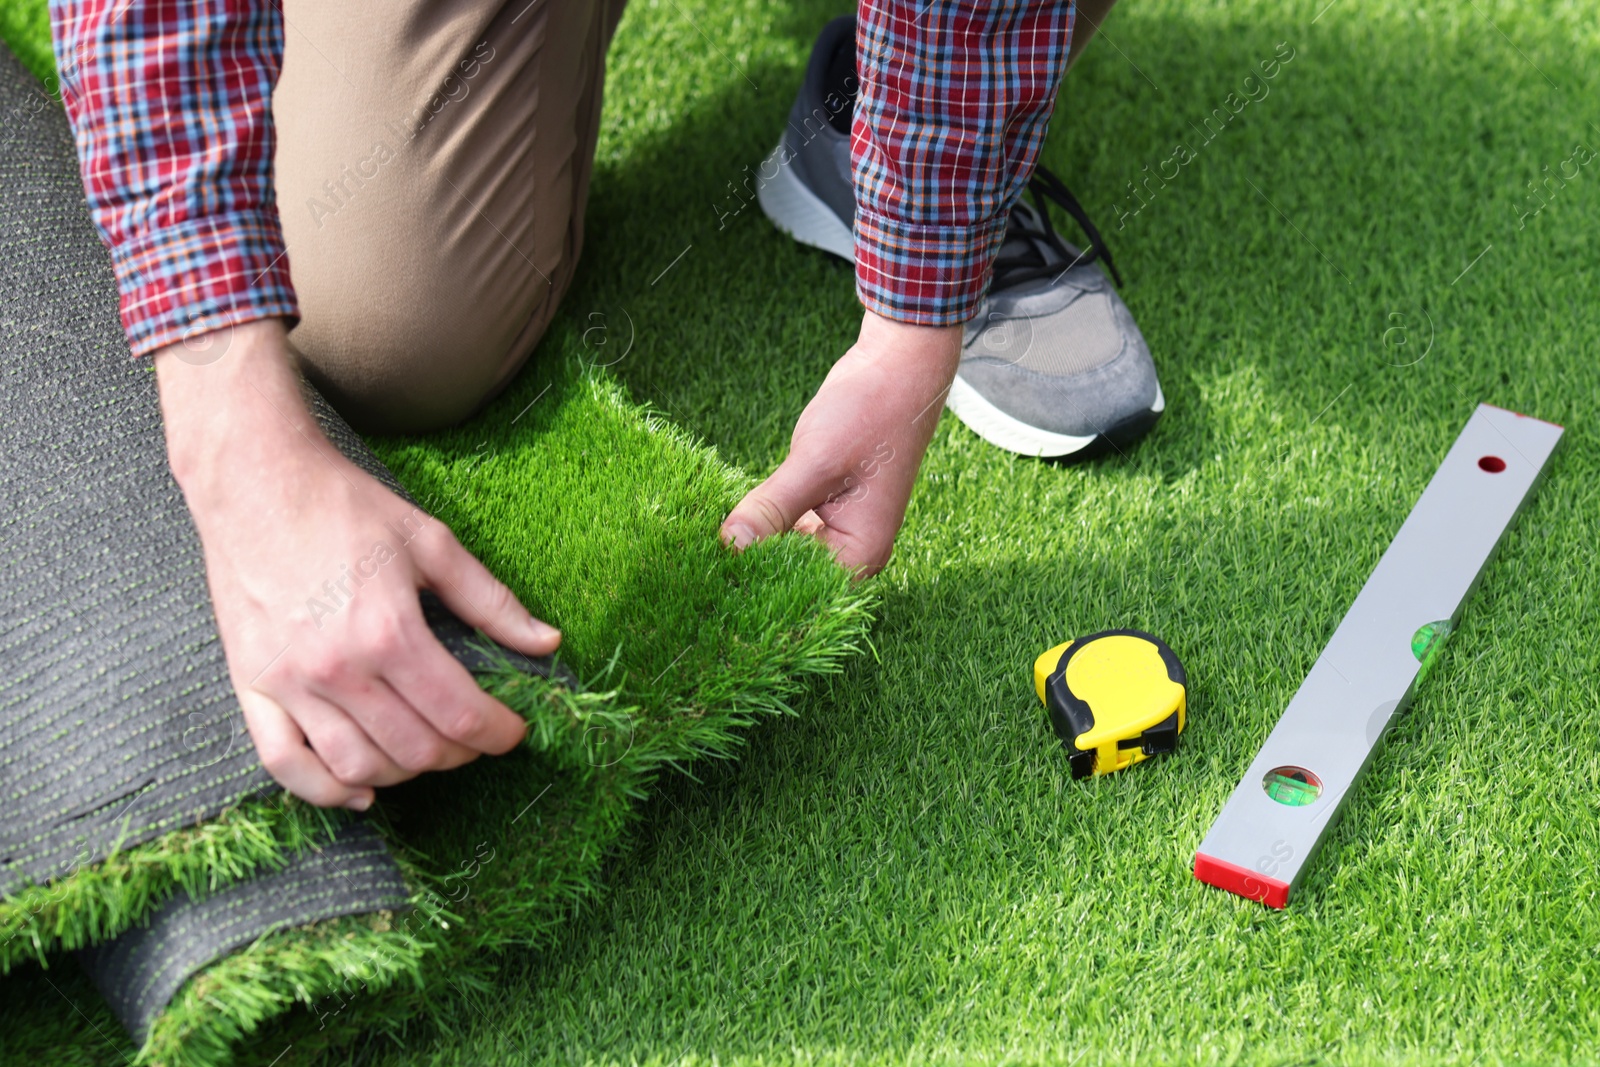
{"x": 682, "y": 645}
{"x": 906, "y": 872}
{"x": 97, "y": 901}
{"x": 25, "y": 29}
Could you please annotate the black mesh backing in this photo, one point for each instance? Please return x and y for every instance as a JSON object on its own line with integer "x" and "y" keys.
{"x": 116, "y": 713}
{"x": 117, "y": 718}
{"x": 140, "y": 971}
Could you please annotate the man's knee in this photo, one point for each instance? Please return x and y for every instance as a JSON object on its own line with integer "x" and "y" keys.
{"x": 410, "y": 356}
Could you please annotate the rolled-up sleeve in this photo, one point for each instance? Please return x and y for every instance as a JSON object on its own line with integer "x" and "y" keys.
{"x": 955, "y": 99}
{"x": 170, "y": 105}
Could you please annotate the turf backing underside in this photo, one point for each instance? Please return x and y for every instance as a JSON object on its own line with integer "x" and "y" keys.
{"x": 907, "y": 872}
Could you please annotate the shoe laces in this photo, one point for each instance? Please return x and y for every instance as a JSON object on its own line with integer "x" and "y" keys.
{"x": 1031, "y": 237}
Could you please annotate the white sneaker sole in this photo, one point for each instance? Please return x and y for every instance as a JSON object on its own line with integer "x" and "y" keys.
{"x": 799, "y": 212}
{"x": 1013, "y": 435}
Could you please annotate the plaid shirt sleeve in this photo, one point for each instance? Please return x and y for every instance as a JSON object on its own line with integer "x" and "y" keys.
{"x": 954, "y": 101}
{"x": 170, "y": 107}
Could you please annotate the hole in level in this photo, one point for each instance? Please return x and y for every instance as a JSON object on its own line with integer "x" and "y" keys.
{"x": 1292, "y": 786}
{"x": 1492, "y": 464}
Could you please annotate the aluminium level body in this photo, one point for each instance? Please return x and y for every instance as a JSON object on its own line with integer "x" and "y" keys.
{"x": 1268, "y": 831}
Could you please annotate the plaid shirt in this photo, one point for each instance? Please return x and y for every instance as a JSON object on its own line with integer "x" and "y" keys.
{"x": 170, "y": 105}
{"x": 954, "y": 101}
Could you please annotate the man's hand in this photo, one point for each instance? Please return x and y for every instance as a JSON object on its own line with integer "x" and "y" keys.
{"x": 314, "y": 568}
{"x": 857, "y": 447}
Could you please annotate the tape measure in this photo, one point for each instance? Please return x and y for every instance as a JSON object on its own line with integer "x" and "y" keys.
{"x": 1114, "y": 698}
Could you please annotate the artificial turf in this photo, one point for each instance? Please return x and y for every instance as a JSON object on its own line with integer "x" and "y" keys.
{"x": 906, "y": 872}
{"x": 682, "y": 645}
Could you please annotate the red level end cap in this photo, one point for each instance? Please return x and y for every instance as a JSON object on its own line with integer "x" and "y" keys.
{"x": 1236, "y": 879}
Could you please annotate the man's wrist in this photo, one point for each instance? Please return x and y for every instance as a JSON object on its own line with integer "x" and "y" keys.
{"x": 936, "y": 347}
{"x": 230, "y": 401}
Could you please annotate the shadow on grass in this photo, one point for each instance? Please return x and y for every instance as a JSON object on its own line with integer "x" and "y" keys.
{"x": 1264, "y": 275}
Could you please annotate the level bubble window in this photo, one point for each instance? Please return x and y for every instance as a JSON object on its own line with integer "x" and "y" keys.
{"x": 1293, "y": 787}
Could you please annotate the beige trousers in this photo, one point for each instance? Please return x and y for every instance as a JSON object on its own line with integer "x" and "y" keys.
{"x": 433, "y": 163}
{"x": 1085, "y": 24}
{"x": 432, "y": 168}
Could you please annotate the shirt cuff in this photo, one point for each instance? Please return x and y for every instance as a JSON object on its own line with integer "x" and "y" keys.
{"x": 924, "y": 275}
{"x": 201, "y": 275}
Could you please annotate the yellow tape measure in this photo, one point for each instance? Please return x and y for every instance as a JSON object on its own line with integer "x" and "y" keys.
{"x": 1113, "y": 698}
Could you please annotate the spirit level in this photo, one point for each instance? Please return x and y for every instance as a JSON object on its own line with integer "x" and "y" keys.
{"x": 1269, "y": 829}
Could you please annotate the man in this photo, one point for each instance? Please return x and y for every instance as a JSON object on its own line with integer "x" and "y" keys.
{"x": 397, "y": 212}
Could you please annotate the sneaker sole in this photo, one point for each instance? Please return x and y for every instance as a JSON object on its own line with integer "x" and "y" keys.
{"x": 799, "y": 212}
{"x": 1013, "y": 435}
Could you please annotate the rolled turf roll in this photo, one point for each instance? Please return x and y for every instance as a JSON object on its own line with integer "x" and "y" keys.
{"x": 117, "y": 719}
{"x": 118, "y": 723}
{"x": 600, "y": 516}
{"x": 139, "y": 971}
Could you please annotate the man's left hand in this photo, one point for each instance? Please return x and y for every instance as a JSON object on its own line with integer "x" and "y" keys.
{"x": 856, "y": 448}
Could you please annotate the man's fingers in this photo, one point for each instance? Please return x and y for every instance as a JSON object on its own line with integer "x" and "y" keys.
{"x": 446, "y": 695}
{"x": 478, "y": 597}
{"x": 854, "y": 552}
{"x": 789, "y": 501}
{"x": 809, "y": 523}
{"x": 339, "y": 741}
{"x": 773, "y": 506}
{"x": 402, "y": 735}
{"x": 283, "y": 752}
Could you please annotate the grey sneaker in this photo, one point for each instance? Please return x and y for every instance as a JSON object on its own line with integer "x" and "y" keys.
{"x": 1053, "y": 364}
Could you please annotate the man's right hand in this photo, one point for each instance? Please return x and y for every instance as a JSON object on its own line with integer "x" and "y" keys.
{"x": 314, "y": 568}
